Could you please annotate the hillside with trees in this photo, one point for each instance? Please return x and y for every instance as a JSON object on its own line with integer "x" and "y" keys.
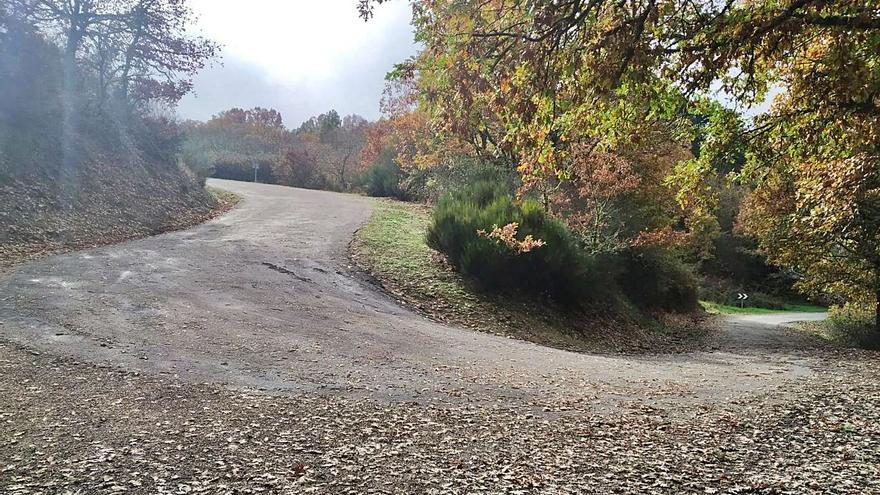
{"x": 88, "y": 154}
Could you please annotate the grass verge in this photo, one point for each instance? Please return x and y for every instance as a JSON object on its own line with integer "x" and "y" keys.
{"x": 846, "y": 327}
{"x": 724, "y": 309}
{"x": 391, "y": 248}
{"x": 226, "y": 200}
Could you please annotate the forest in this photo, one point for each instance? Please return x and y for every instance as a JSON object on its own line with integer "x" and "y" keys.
{"x": 575, "y": 148}
{"x": 577, "y": 247}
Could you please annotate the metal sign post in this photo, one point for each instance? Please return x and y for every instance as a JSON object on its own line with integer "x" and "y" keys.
{"x": 741, "y": 297}
{"x": 256, "y": 167}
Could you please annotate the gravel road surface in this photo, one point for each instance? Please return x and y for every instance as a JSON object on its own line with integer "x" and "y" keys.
{"x": 246, "y": 356}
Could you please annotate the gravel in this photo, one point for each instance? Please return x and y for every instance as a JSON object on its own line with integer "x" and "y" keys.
{"x": 75, "y": 427}
{"x": 242, "y": 356}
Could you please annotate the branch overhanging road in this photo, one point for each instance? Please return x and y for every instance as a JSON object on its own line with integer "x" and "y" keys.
{"x": 264, "y": 297}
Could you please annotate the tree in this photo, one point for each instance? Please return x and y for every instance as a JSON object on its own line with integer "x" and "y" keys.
{"x": 231, "y": 142}
{"x": 583, "y": 116}
{"x": 141, "y": 48}
{"x": 336, "y": 144}
{"x": 618, "y": 200}
{"x": 823, "y": 219}
{"x": 347, "y": 141}
{"x": 266, "y": 118}
{"x": 407, "y": 132}
{"x": 546, "y": 84}
{"x": 321, "y": 125}
{"x": 297, "y": 166}
{"x": 812, "y": 160}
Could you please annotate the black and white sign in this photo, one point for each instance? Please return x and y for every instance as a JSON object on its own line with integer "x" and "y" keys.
{"x": 741, "y": 296}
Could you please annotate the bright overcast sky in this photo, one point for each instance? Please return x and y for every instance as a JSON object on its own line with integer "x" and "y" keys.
{"x": 301, "y": 57}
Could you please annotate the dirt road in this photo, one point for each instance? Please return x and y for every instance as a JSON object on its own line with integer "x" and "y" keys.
{"x": 259, "y": 309}
{"x": 264, "y": 297}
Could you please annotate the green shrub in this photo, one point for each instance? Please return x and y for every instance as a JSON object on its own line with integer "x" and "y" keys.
{"x": 655, "y": 279}
{"x": 429, "y": 185}
{"x": 652, "y": 279}
{"x": 852, "y": 325}
{"x": 382, "y": 178}
{"x": 559, "y": 269}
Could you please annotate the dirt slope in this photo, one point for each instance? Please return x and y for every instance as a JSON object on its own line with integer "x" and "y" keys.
{"x": 100, "y": 201}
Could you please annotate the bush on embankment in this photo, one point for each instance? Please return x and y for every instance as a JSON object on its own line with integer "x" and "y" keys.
{"x": 557, "y": 267}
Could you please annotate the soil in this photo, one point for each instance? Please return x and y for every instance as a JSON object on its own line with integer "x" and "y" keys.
{"x": 246, "y": 355}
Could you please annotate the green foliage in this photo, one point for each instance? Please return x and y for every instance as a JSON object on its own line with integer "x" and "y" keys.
{"x": 321, "y": 125}
{"x": 430, "y": 185}
{"x": 382, "y": 178}
{"x": 463, "y": 171}
{"x": 651, "y": 278}
{"x": 560, "y": 269}
{"x": 734, "y": 309}
{"x": 722, "y": 291}
{"x": 736, "y": 266}
{"x": 854, "y": 324}
{"x": 655, "y": 279}
{"x": 849, "y": 325}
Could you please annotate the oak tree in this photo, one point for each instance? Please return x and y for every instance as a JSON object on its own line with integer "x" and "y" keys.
{"x": 553, "y": 86}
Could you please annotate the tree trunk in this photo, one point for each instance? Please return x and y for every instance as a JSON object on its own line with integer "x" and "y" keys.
{"x": 69, "y": 72}
{"x": 125, "y": 78}
{"x": 877, "y": 299}
{"x": 877, "y": 314}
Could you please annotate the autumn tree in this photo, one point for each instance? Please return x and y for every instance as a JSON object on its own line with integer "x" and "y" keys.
{"x": 347, "y": 141}
{"x": 579, "y": 112}
{"x": 553, "y": 86}
{"x": 812, "y": 160}
{"x": 321, "y": 125}
{"x": 297, "y": 166}
{"x": 404, "y": 144}
{"x": 336, "y": 143}
{"x": 142, "y": 49}
{"x": 822, "y": 219}
{"x": 231, "y": 142}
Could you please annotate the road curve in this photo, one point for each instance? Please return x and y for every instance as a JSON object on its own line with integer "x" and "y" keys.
{"x": 264, "y": 297}
{"x": 775, "y": 319}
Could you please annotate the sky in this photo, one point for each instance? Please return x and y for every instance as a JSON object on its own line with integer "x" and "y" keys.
{"x": 300, "y": 57}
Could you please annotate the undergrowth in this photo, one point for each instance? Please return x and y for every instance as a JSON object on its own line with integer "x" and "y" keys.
{"x": 392, "y": 248}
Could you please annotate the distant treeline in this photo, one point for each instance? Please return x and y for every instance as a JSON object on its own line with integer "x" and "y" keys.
{"x": 322, "y": 153}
